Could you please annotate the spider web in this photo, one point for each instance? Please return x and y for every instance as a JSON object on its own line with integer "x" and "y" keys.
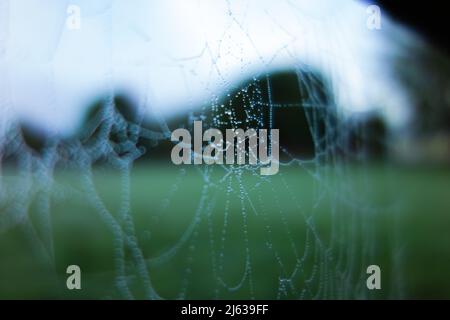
{"x": 308, "y": 232}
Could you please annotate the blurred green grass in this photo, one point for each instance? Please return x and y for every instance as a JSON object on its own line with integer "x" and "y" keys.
{"x": 395, "y": 217}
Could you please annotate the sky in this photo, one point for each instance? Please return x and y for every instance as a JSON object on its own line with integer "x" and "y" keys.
{"x": 173, "y": 56}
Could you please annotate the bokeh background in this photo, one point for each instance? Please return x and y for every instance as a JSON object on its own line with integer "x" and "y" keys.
{"x": 90, "y": 92}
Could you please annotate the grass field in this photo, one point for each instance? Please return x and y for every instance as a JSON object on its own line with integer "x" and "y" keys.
{"x": 305, "y": 232}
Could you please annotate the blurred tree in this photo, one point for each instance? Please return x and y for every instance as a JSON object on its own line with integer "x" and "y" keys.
{"x": 33, "y": 137}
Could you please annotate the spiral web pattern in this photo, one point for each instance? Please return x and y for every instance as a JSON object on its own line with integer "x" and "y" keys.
{"x": 306, "y": 233}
